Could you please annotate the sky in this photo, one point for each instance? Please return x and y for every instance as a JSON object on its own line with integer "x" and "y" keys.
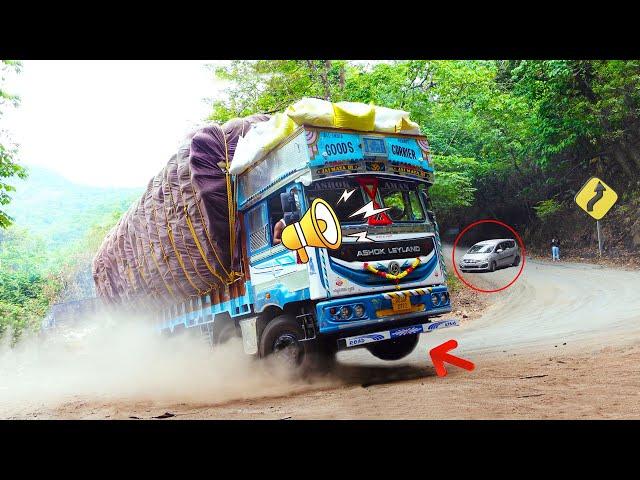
{"x": 107, "y": 123}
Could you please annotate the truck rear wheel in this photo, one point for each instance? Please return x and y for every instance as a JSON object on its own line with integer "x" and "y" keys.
{"x": 224, "y": 329}
{"x": 282, "y": 337}
{"x": 394, "y": 349}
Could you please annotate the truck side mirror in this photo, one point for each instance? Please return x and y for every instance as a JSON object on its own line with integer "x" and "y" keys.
{"x": 291, "y": 217}
{"x": 288, "y": 202}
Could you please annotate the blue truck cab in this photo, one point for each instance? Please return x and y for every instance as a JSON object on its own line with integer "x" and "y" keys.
{"x": 380, "y": 289}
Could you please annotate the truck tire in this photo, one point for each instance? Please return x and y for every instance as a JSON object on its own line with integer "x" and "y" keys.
{"x": 394, "y": 349}
{"x": 282, "y": 336}
{"x": 223, "y": 329}
{"x": 223, "y": 332}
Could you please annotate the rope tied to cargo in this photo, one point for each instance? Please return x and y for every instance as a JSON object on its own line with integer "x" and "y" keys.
{"x": 165, "y": 255}
{"x": 182, "y": 265}
{"x": 180, "y": 261}
{"x": 233, "y": 275}
{"x": 203, "y": 254}
{"x": 206, "y": 232}
{"x": 155, "y": 261}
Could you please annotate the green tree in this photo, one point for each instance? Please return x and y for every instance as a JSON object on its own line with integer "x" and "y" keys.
{"x": 268, "y": 86}
{"x": 8, "y": 166}
{"x": 528, "y": 130}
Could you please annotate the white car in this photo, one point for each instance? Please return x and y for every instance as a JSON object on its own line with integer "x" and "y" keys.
{"x": 489, "y": 255}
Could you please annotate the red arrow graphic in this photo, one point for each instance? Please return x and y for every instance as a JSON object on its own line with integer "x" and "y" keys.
{"x": 439, "y": 355}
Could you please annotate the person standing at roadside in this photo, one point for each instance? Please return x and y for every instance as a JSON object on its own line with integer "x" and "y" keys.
{"x": 555, "y": 250}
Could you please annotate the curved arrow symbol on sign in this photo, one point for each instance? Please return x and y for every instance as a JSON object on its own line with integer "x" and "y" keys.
{"x": 599, "y": 194}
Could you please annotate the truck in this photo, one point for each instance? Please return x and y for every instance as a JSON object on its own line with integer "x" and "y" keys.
{"x": 383, "y": 286}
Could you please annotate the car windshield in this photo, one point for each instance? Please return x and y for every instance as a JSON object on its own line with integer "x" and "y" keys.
{"x": 481, "y": 248}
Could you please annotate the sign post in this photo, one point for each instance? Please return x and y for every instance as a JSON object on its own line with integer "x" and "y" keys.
{"x": 596, "y": 198}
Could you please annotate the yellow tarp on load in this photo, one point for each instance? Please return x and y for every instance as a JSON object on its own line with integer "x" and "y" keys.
{"x": 354, "y": 116}
{"x": 318, "y": 113}
{"x": 311, "y": 111}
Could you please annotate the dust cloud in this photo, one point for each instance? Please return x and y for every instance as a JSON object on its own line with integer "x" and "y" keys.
{"x": 109, "y": 359}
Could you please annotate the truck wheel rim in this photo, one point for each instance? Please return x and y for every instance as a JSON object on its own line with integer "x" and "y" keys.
{"x": 287, "y": 347}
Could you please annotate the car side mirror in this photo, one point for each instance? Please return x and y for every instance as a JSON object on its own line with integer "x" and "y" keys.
{"x": 499, "y": 250}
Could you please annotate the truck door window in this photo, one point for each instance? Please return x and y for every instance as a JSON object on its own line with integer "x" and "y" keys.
{"x": 258, "y": 228}
{"x": 275, "y": 213}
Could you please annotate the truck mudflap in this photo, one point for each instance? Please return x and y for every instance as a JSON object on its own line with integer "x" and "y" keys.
{"x": 359, "y": 340}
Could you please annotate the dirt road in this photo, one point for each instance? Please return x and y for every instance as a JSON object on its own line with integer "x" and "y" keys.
{"x": 562, "y": 342}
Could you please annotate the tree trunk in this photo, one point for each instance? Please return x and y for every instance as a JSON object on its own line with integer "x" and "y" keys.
{"x": 325, "y": 80}
{"x": 632, "y": 152}
{"x": 619, "y": 157}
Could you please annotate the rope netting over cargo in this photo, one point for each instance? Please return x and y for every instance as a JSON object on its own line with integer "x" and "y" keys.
{"x": 177, "y": 240}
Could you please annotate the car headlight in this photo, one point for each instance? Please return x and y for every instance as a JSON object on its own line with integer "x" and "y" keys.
{"x": 345, "y": 312}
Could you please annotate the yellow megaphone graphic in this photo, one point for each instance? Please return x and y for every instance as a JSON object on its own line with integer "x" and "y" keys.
{"x": 319, "y": 227}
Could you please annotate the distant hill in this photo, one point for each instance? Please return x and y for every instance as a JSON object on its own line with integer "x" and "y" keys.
{"x": 60, "y": 211}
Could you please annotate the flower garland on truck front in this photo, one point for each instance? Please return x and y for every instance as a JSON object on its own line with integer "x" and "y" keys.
{"x": 391, "y": 276}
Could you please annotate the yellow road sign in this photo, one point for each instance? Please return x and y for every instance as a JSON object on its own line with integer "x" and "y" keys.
{"x": 596, "y": 198}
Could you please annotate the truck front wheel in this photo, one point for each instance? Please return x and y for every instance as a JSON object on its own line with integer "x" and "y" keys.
{"x": 394, "y": 349}
{"x": 282, "y": 337}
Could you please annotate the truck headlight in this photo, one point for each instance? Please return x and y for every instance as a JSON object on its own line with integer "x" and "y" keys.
{"x": 345, "y": 312}
{"x": 435, "y": 299}
{"x": 358, "y": 310}
{"x": 443, "y": 298}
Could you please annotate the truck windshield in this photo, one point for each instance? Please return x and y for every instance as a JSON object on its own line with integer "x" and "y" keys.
{"x": 401, "y": 197}
{"x": 402, "y": 200}
{"x": 332, "y": 190}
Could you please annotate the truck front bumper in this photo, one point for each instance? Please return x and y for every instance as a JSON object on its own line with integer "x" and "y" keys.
{"x": 381, "y": 308}
{"x": 360, "y": 340}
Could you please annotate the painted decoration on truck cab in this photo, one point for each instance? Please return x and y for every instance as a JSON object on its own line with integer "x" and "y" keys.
{"x": 408, "y": 151}
{"x": 334, "y": 146}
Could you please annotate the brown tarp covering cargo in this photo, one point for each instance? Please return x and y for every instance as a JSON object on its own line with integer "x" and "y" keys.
{"x": 176, "y": 241}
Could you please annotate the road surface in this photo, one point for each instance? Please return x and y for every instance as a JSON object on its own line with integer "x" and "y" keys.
{"x": 562, "y": 342}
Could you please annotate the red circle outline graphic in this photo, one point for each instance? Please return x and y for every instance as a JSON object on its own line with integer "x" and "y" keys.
{"x": 469, "y": 227}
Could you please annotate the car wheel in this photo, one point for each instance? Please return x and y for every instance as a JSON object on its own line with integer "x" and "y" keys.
{"x": 492, "y": 267}
{"x": 516, "y": 262}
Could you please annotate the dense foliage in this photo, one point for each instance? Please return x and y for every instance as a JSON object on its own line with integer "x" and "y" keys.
{"x": 8, "y": 166}
{"x": 45, "y": 257}
{"x": 513, "y": 139}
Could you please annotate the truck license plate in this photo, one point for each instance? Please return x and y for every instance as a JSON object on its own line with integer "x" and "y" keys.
{"x": 401, "y": 304}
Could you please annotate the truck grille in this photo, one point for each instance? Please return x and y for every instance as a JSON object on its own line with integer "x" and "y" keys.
{"x": 372, "y": 251}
